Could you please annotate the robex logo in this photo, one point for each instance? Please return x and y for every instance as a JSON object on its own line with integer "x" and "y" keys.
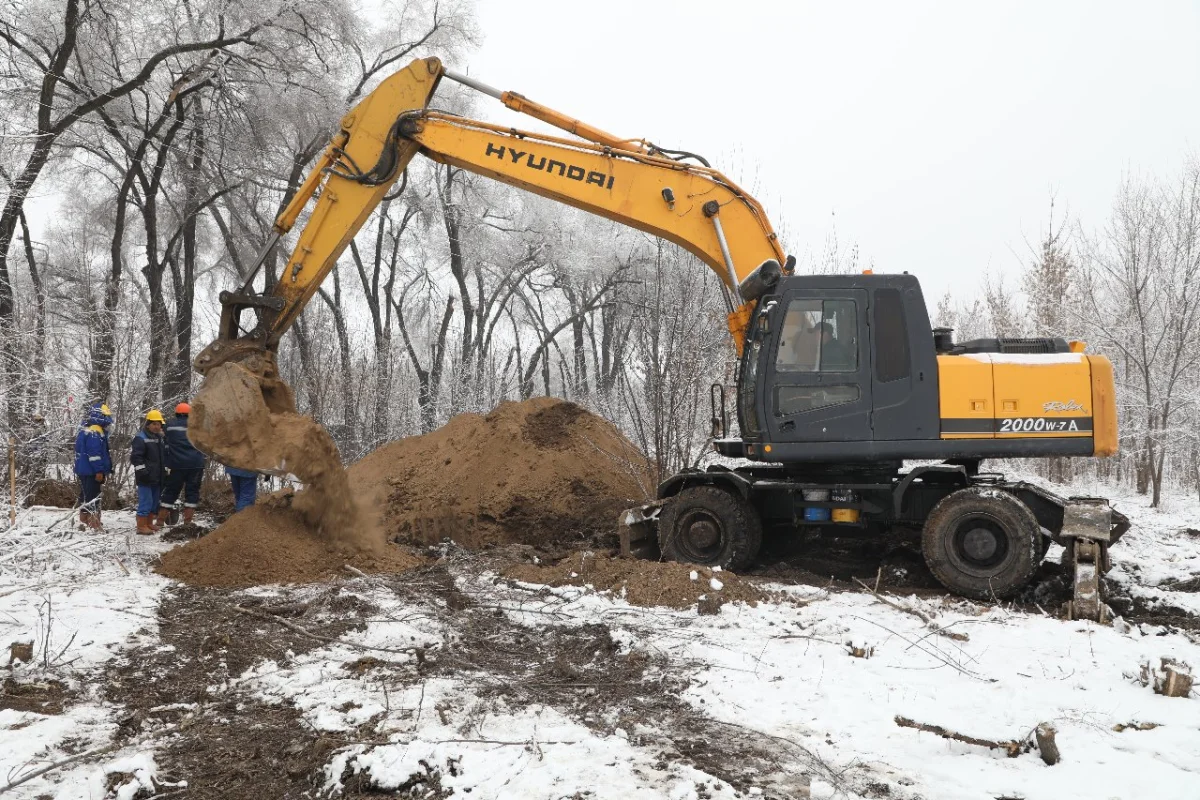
{"x": 542, "y": 164}
{"x": 1058, "y": 405}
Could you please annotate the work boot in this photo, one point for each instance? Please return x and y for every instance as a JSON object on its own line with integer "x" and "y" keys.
{"x": 144, "y": 527}
{"x": 188, "y": 513}
{"x": 96, "y": 523}
{"x": 84, "y": 521}
{"x": 156, "y": 521}
{"x": 163, "y": 513}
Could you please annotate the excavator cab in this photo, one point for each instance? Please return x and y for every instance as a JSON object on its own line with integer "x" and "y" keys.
{"x": 835, "y": 368}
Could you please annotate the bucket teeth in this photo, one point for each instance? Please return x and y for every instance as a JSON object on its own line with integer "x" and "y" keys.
{"x": 637, "y": 528}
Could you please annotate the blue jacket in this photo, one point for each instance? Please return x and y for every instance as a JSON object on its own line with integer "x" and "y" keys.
{"x": 148, "y": 455}
{"x": 92, "y": 456}
{"x": 181, "y": 453}
{"x": 91, "y": 452}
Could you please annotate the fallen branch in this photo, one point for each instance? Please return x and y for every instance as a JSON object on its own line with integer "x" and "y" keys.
{"x": 37, "y": 773}
{"x": 389, "y": 742}
{"x": 1012, "y": 748}
{"x": 815, "y": 762}
{"x": 916, "y": 612}
{"x": 931, "y": 652}
{"x": 318, "y": 637}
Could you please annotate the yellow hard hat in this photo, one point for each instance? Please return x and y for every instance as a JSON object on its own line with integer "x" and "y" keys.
{"x": 104, "y": 410}
{"x": 155, "y": 416}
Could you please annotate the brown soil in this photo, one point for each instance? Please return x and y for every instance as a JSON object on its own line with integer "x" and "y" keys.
{"x": 53, "y": 493}
{"x": 533, "y": 472}
{"x": 184, "y": 533}
{"x": 272, "y": 542}
{"x": 233, "y": 420}
{"x": 43, "y": 698}
{"x": 228, "y": 744}
{"x": 643, "y": 583}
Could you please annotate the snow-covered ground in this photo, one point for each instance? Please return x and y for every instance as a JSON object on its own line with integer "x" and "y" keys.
{"x": 756, "y": 701}
{"x": 79, "y": 599}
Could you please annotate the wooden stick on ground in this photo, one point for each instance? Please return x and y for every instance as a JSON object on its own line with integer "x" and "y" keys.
{"x": 916, "y": 612}
{"x": 1013, "y": 748}
{"x": 305, "y": 632}
{"x": 37, "y": 773}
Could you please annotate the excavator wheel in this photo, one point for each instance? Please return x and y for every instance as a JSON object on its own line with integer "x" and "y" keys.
{"x": 711, "y": 527}
{"x": 981, "y": 542}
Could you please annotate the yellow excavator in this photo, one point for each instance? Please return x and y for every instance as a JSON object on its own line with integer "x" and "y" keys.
{"x": 841, "y": 378}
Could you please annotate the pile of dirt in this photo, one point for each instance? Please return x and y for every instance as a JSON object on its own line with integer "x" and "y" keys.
{"x": 273, "y": 542}
{"x": 643, "y": 583}
{"x": 535, "y": 472}
{"x": 53, "y": 493}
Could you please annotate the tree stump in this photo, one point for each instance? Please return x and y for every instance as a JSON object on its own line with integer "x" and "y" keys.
{"x": 1047, "y": 747}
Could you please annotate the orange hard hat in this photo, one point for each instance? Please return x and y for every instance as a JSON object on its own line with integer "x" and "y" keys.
{"x": 183, "y": 408}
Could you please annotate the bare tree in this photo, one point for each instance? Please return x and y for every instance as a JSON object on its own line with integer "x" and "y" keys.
{"x": 55, "y": 68}
{"x": 1048, "y": 283}
{"x": 679, "y": 348}
{"x": 1140, "y": 289}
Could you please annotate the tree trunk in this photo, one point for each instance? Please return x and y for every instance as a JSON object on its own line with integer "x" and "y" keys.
{"x": 451, "y": 218}
{"x": 38, "y": 361}
{"x": 308, "y": 381}
{"x": 579, "y": 350}
{"x": 178, "y": 382}
{"x": 10, "y": 365}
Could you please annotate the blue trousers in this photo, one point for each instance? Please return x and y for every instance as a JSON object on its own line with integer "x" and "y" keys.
{"x": 244, "y": 491}
{"x": 148, "y": 499}
{"x": 89, "y": 491}
{"x": 185, "y": 480}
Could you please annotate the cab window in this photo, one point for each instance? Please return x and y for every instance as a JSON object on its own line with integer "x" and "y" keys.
{"x": 819, "y": 336}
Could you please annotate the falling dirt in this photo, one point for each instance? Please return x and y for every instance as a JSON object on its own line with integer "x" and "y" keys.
{"x": 273, "y": 543}
{"x": 643, "y": 583}
{"x": 535, "y": 472}
{"x": 231, "y": 420}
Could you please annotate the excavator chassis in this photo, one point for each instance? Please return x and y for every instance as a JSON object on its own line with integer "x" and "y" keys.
{"x": 1084, "y": 526}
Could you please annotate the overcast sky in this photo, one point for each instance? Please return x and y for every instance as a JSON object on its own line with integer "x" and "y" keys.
{"x": 932, "y": 134}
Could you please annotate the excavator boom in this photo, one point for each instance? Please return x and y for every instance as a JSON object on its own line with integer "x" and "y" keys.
{"x": 627, "y": 181}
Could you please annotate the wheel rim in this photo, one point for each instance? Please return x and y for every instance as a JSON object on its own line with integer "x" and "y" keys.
{"x": 699, "y": 537}
{"x": 979, "y": 545}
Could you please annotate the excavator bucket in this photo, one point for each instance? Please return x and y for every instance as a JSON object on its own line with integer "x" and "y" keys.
{"x": 1090, "y": 525}
{"x": 638, "y": 531}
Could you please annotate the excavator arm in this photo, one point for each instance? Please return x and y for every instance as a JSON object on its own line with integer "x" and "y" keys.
{"x": 628, "y": 181}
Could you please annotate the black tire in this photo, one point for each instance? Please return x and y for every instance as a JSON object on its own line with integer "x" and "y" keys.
{"x": 1043, "y": 548}
{"x": 982, "y": 543}
{"x": 709, "y": 526}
